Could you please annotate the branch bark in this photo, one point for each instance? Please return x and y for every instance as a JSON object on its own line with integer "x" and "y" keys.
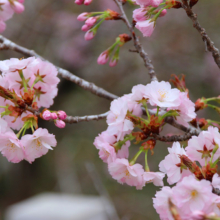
{"x": 6, "y": 44}
{"x": 209, "y": 44}
{"x": 137, "y": 44}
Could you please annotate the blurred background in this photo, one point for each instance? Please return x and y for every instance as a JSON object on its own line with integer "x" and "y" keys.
{"x": 50, "y": 28}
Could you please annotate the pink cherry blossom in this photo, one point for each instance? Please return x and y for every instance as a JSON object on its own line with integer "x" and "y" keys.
{"x": 140, "y": 14}
{"x": 146, "y": 27}
{"x": 156, "y": 3}
{"x": 138, "y": 92}
{"x": 7, "y": 11}
{"x": 104, "y": 138}
{"x": 116, "y": 119}
{"x": 160, "y": 203}
{"x": 2, "y": 26}
{"x": 192, "y": 195}
{"x": 103, "y": 58}
{"x": 54, "y": 115}
{"x": 46, "y": 115}
{"x": 123, "y": 172}
{"x": 87, "y": 2}
{"x": 155, "y": 177}
{"x": 169, "y": 164}
{"x": 79, "y": 2}
{"x": 89, "y": 35}
{"x": 91, "y": 21}
{"x": 113, "y": 62}
{"x": 163, "y": 13}
{"x": 107, "y": 153}
{"x": 82, "y": 16}
{"x": 62, "y": 115}
{"x": 18, "y": 7}
{"x": 4, "y": 126}
{"x": 85, "y": 27}
{"x": 144, "y": 2}
{"x": 60, "y": 123}
{"x": 198, "y": 147}
{"x": 11, "y": 147}
{"x": 38, "y": 144}
{"x": 161, "y": 94}
{"x": 186, "y": 110}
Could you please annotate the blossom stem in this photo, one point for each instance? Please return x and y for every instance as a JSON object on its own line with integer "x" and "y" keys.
{"x": 23, "y": 80}
{"x": 147, "y": 169}
{"x": 132, "y": 162}
{"x": 3, "y": 106}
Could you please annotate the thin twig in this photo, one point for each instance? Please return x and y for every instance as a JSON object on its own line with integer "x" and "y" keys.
{"x": 137, "y": 44}
{"x": 209, "y": 44}
{"x": 6, "y": 44}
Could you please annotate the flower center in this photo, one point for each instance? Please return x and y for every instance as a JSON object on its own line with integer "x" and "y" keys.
{"x": 127, "y": 173}
{"x": 163, "y": 95}
{"x": 194, "y": 193}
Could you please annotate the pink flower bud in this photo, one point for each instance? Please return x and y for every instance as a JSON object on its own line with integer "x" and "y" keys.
{"x": 62, "y": 115}
{"x": 18, "y": 7}
{"x": 103, "y": 58}
{"x": 156, "y": 3}
{"x": 140, "y": 14}
{"x": 113, "y": 62}
{"x": 46, "y": 115}
{"x": 198, "y": 215}
{"x": 85, "y": 27}
{"x": 146, "y": 27}
{"x": 54, "y": 115}
{"x": 91, "y": 21}
{"x": 60, "y": 124}
{"x": 79, "y": 2}
{"x": 21, "y": 1}
{"x": 163, "y": 13}
{"x": 82, "y": 16}
{"x": 89, "y": 35}
{"x": 87, "y": 2}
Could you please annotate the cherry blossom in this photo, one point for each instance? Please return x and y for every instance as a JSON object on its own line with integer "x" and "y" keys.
{"x": 123, "y": 172}
{"x": 11, "y": 147}
{"x": 146, "y": 27}
{"x": 155, "y": 177}
{"x": 37, "y": 144}
{"x": 170, "y": 164}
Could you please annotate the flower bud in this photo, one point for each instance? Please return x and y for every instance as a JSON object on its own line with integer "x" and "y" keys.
{"x": 18, "y": 7}
{"x": 87, "y": 2}
{"x": 54, "y": 115}
{"x": 82, "y": 16}
{"x": 85, "y": 27}
{"x": 113, "y": 62}
{"x": 163, "y": 13}
{"x": 46, "y": 115}
{"x": 91, "y": 21}
{"x": 79, "y": 2}
{"x": 60, "y": 124}
{"x": 103, "y": 58}
{"x": 62, "y": 115}
{"x": 89, "y": 35}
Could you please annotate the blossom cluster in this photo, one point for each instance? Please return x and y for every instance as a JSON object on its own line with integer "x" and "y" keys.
{"x": 26, "y": 85}
{"x": 126, "y": 114}
{"x": 7, "y": 9}
{"x": 193, "y": 169}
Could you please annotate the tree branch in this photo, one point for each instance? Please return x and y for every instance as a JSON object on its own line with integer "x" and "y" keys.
{"x": 209, "y": 45}
{"x": 137, "y": 44}
{"x": 6, "y": 44}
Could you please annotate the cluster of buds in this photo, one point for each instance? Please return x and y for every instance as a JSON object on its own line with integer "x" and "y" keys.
{"x": 94, "y": 20}
{"x": 7, "y": 9}
{"x": 85, "y": 2}
{"x": 113, "y": 50}
{"x": 56, "y": 116}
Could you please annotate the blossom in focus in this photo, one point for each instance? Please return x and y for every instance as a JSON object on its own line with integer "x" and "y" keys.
{"x": 200, "y": 148}
{"x": 123, "y": 172}
{"x": 146, "y": 27}
{"x": 161, "y": 94}
{"x": 160, "y": 203}
{"x": 140, "y": 14}
{"x": 193, "y": 195}
{"x": 11, "y": 147}
{"x": 155, "y": 177}
{"x": 169, "y": 164}
{"x": 37, "y": 144}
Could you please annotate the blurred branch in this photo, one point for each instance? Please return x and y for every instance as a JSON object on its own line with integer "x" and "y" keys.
{"x": 137, "y": 44}
{"x": 209, "y": 45}
{"x": 6, "y": 44}
{"x": 108, "y": 204}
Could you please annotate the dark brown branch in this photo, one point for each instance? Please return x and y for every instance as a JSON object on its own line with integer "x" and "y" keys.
{"x": 209, "y": 44}
{"x": 173, "y": 138}
{"x": 6, "y": 44}
{"x": 137, "y": 44}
